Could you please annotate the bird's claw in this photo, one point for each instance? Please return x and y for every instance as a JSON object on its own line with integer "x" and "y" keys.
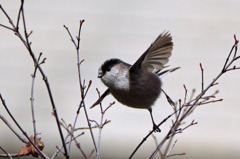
{"x": 156, "y": 128}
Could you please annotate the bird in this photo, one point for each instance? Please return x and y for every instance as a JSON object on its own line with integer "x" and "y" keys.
{"x": 138, "y": 85}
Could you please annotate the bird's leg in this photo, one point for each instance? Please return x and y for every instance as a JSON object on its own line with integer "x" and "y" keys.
{"x": 155, "y": 127}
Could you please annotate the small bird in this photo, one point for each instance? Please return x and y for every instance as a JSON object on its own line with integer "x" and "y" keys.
{"x": 138, "y": 85}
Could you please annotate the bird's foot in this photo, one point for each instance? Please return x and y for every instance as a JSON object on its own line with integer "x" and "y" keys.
{"x": 156, "y": 128}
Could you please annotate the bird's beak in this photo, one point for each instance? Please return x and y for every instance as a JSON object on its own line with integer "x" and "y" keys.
{"x": 100, "y": 75}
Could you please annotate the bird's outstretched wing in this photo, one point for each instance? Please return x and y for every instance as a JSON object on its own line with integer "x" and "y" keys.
{"x": 156, "y": 56}
{"x": 107, "y": 92}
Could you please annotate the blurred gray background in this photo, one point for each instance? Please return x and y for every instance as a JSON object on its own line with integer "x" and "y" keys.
{"x": 202, "y": 31}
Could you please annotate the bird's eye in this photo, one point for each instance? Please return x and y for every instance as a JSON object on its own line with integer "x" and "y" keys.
{"x": 108, "y": 69}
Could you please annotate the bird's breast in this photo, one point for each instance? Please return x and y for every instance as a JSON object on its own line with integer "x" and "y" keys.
{"x": 141, "y": 92}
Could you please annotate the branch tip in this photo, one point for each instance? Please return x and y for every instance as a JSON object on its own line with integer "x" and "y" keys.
{"x": 184, "y": 86}
{"x": 235, "y": 38}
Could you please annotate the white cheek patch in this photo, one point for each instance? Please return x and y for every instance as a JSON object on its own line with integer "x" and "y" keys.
{"x": 114, "y": 70}
{"x": 120, "y": 79}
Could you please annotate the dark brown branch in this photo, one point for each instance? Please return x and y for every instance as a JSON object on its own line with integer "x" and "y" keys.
{"x": 145, "y": 138}
{"x": 45, "y": 80}
{"x": 19, "y": 13}
{"x": 27, "y": 45}
{"x": 6, "y": 27}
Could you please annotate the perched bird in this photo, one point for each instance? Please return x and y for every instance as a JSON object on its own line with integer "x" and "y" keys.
{"x": 138, "y": 85}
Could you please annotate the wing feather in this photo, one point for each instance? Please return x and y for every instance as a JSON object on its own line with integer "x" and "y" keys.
{"x": 156, "y": 56}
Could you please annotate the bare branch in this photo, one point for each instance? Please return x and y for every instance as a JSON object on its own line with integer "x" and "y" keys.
{"x": 13, "y": 130}
{"x": 155, "y": 140}
{"x": 27, "y": 45}
{"x": 20, "y": 128}
{"x": 82, "y": 103}
{"x": 202, "y": 76}
{"x": 7, "y": 154}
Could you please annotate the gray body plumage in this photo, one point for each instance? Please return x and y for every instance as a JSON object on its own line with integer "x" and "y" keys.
{"x": 138, "y": 85}
{"x": 138, "y": 90}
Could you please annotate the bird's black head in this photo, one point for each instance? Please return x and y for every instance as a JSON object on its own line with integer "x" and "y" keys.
{"x": 107, "y": 65}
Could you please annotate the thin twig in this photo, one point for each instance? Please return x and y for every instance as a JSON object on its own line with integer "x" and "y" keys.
{"x": 32, "y": 104}
{"x": 171, "y": 131}
{"x": 78, "y": 111}
{"x": 81, "y": 88}
{"x": 9, "y": 19}
{"x": 19, "y": 13}
{"x": 91, "y": 153}
{"x": 8, "y": 155}
{"x": 27, "y": 45}
{"x": 82, "y": 128}
{"x": 155, "y": 140}
{"x": 20, "y": 128}
{"x": 145, "y": 138}
{"x": 100, "y": 126}
{"x": 59, "y": 148}
{"x": 193, "y": 92}
{"x": 223, "y": 70}
{"x": 46, "y": 82}
{"x": 202, "y": 76}
{"x": 212, "y": 101}
{"x": 185, "y": 96}
{"x": 13, "y": 130}
{"x": 82, "y": 103}
{"x": 6, "y": 27}
{"x": 174, "y": 130}
{"x": 236, "y": 42}
{"x": 171, "y": 148}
